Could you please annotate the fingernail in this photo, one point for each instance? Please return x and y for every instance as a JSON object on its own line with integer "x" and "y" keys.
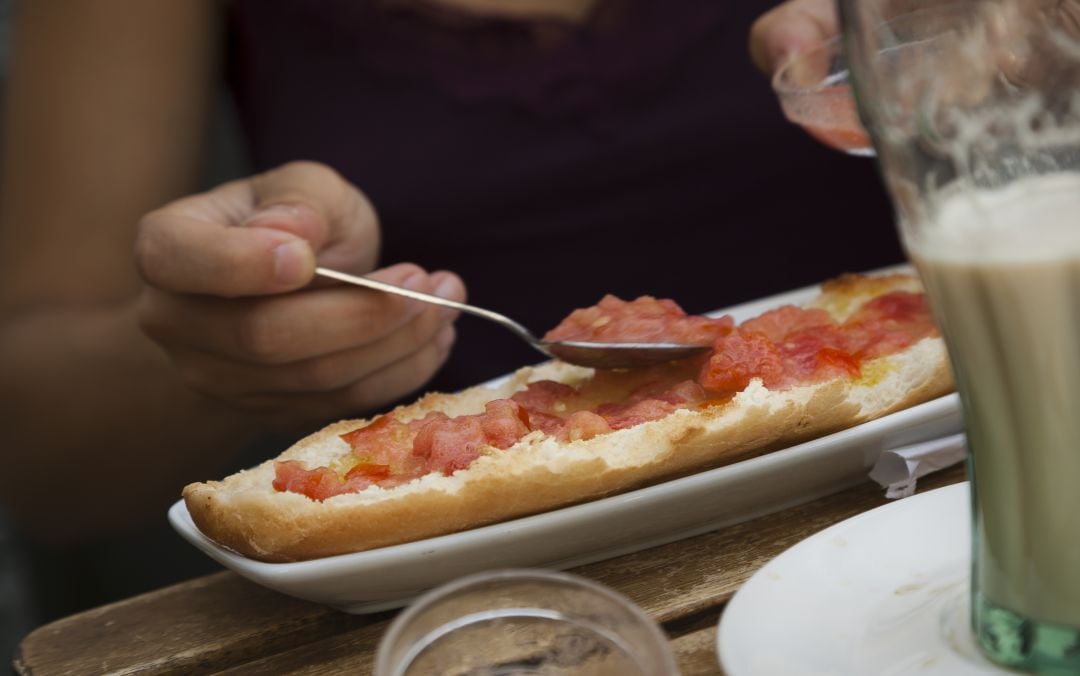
{"x": 291, "y": 263}
{"x": 445, "y": 338}
{"x": 276, "y": 213}
{"x": 446, "y": 287}
{"x": 418, "y": 281}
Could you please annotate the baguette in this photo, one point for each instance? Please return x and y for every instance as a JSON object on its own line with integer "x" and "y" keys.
{"x": 245, "y": 513}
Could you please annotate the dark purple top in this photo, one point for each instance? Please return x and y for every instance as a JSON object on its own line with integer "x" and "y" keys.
{"x": 549, "y": 164}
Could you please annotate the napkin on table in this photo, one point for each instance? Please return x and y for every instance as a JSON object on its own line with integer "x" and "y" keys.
{"x": 898, "y": 469}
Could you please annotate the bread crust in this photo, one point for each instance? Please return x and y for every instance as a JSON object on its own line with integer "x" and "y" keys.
{"x": 244, "y": 513}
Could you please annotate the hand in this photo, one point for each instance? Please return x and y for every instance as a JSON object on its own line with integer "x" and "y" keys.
{"x": 790, "y": 28}
{"x": 229, "y": 298}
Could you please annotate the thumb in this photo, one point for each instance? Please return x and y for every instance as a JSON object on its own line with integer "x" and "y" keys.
{"x": 314, "y": 202}
{"x": 297, "y": 230}
{"x": 288, "y": 217}
{"x": 178, "y": 253}
{"x": 193, "y": 245}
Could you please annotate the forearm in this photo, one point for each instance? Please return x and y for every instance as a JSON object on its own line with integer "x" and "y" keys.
{"x": 96, "y": 432}
{"x": 103, "y": 121}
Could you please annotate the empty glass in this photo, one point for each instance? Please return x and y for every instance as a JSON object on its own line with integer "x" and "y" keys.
{"x": 524, "y": 622}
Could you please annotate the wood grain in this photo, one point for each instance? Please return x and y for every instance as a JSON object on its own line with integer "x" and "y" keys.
{"x": 695, "y": 653}
{"x": 192, "y": 627}
{"x": 224, "y": 624}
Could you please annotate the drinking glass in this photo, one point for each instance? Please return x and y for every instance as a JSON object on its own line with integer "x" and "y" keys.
{"x": 524, "y": 621}
{"x": 977, "y": 134}
{"x": 815, "y": 93}
{"x": 814, "y": 87}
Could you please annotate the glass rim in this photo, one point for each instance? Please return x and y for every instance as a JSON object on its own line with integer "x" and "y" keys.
{"x": 831, "y": 79}
{"x": 428, "y": 598}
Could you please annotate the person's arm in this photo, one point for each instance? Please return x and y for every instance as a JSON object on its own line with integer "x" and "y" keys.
{"x": 105, "y": 118}
{"x": 100, "y": 425}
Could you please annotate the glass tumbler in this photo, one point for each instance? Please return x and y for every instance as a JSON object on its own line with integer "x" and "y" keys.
{"x": 524, "y": 621}
{"x": 977, "y": 133}
{"x": 814, "y": 92}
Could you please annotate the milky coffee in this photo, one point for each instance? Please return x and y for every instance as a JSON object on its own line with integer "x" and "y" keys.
{"x": 1002, "y": 268}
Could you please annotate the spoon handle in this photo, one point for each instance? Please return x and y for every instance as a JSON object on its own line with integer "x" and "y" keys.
{"x": 428, "y": 298}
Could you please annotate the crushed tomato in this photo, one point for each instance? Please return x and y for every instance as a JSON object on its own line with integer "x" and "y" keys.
{"x": 783, "y": 348}
{"x": 643, "y": 320}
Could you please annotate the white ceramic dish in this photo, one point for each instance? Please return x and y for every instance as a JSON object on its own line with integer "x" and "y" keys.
{"x": 383, "y": 578}
{"x": 884, "y": 592}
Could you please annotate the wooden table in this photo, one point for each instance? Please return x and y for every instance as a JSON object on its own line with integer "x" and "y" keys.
{"x": 224, "y": 624}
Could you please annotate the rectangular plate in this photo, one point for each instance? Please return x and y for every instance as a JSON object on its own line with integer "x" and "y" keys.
{"x": 384, "y": 578}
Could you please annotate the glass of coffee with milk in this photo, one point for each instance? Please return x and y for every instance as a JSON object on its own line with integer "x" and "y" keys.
{"x": 976, "y": 124}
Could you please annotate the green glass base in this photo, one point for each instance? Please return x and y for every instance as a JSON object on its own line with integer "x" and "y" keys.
{"x": 1012, "y": 640}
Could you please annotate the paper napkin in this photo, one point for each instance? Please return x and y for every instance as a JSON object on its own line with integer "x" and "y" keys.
{"x": 898, "y": 469}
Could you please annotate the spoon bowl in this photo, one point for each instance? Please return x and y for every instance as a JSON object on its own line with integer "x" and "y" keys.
{"x": 619, "y": 355}
{"x": 580, "y": 353}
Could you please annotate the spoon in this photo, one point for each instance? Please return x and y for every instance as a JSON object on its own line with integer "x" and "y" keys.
{"x": 581, "y": 353}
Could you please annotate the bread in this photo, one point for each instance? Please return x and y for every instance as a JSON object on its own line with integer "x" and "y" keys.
{"x": 245, "y": 513}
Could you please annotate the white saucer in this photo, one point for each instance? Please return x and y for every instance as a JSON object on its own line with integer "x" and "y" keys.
{"x": 884, "y": 592}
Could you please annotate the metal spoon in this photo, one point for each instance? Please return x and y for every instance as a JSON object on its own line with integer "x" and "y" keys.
{"x": 595, "y": 355}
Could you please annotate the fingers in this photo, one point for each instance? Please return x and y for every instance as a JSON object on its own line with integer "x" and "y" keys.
{"x": 399, "y": 378}
{"x": 187, "y": 255}
{"x": 351, "y": 239}
{"x": 394, "y": 381}
{"x": 229, "y": 379}
{"x": 336, "y": 346}
{"x": 790, "y": 28}
{"x": 258, "y": 236}
{"x": 280, "y": 329}
{"x": 229, "y": 298}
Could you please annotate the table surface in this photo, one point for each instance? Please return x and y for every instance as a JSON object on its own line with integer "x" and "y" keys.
{"x": 222, "y": 623}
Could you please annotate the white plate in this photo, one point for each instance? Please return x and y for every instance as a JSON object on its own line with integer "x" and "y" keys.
{"x": 384, "y": 578}
{"x": 884, "y": 592}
